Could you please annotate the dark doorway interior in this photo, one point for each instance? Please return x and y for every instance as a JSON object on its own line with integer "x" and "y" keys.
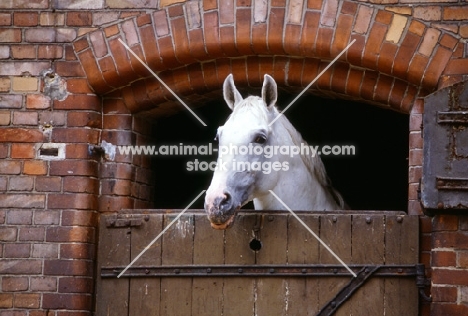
{"x": 376, "y": 178}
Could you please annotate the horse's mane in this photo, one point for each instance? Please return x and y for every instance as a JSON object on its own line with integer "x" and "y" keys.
{"x": 313, "y": 163}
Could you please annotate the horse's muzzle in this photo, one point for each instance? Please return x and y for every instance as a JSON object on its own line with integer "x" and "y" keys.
{"x": 221, "y": 211}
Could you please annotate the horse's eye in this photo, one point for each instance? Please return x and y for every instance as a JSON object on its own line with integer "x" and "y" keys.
{"x": 260, "y": 139}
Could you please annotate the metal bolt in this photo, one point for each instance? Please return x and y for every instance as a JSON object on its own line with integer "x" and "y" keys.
{"x": 400, "y": 270}
{"x": 208, "y": 270}
{"x": 399, "y": 219}
{"x": 304, "y": 271}
{"x": 272, "y": 270}
{"x": 240, "y": 270}
{"x": 333, "y": 304}
{"x": 334, "y": 219}
{"x": 176, "y": 271}
{"x": 147, "y": 271}
{"x": 368, "y": 220}
{"x": 270, "y": 218}
{"x": 335, "y": 271}
{"x": 146, "y": 218}
{"x": 440, "y": 205}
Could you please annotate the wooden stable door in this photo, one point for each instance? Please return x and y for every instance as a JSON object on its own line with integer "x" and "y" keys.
{"x": 196, "y": 270}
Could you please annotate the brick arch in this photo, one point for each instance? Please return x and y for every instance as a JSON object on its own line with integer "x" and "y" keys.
{"x": 395, "y": 58}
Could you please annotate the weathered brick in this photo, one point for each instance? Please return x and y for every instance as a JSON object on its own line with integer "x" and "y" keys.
{"x": 444, "y": 259}
{"x": 55, "y": 118}
{"x": 25, "y": 4}
{"x": 28, "y": 300}
{"x": 5, "y": 84}
{"x": 450, "y": 276}
{"x": 80, "y": 184}
{"x": 82, "y": 119}
{"x": 68, "y": 267}
{"x": 4, "y": 52}
{"x": 79, "y": 18}
{"x": 11, "y": 101}
{"x": 15, "y": 284}
{"x": 5, "y": 19}
{"x": 457, "y": 13}
{"x": 35, "y": 167}
{"x": 31, "y": 234}
{"x": 431, "y": 38}
{"x": 73, "y": 168}
{"x": 5, "y": 118}
{"x": 25, "y": 118}
{"x": 48, "y": 184}
{"x": 19, "y": 217}
{"x": 23, "y": 51}
{"x": 43, "y": 284}
{"x": 6, "y": 300}
{"x": 17, "y": 250}
{"x": 75, "y": 285}
{"x": 363, "y": 19}
{"x": 75, "y": 135}
{"x": 20, "y": 266}
{"x": 49, "y": 217}
{"x": 50, "y": 52}
{"x": 8, "y": 233}
{"x": 78, "y": 86}
{"x": 10, "y": 35}
{"x": 25, "y": 18}
{"x": 444, "y": 293}
{"x": 79, "y": 102}
{"x": 79, "y": 201}
{"x": 45, "y": 251}
{"x": 38, "y": 101}
{"x": 18, "y": 68}
{"x": 10, "y": 167}
{"x": 40, "y": 35}
{"x": 67, "y": 301}
{"x": 25, "y": 84}
{"x": 51, "y": 19}
{"x": 21, "y": 183}
{"x": 462, "y": 259}
{"x": 79, "y": 218}
{"x": 77, "y": 251}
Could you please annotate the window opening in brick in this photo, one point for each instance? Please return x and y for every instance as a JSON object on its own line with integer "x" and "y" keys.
{"x": 376, "y": 178}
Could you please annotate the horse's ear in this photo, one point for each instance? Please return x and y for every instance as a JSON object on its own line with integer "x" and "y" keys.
{"x": 269, "y": 91}
{"x": 231, "y": 95}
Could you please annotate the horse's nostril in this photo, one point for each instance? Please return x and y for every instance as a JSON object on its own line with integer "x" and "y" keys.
{"x": 227, "y": 199}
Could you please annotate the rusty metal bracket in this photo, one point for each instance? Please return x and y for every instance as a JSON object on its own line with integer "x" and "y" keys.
{"x": 348, "y": 290}
{"x": 290, "y": 270}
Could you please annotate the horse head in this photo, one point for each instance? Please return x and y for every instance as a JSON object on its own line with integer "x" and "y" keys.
{"x": 239, "y": 139}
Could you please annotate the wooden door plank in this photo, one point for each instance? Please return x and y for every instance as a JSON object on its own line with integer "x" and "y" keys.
{"x": 114, "y": 250}
{"x": 368, "y": 247}
{"x": 177, "y": 249}
{"x": 207, "y": 293}
{"x": 303, "y": 248}
{"x": 145, "y": 293}
{"x": 335, "y": 231}
{"x": 273, "y": 293}
{"x": 402, "y": 247}
{"x": 238, "y": 292}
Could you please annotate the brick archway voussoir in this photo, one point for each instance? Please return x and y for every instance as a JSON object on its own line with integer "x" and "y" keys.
{"x": 381, "y": 67}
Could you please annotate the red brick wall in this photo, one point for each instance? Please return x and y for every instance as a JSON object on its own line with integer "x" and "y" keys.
{"x": 49, "y": 209}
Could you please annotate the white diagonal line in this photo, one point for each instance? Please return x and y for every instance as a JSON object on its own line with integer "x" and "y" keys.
{"x": 160, "y": 234}
{"x": 313, "y": 234}
{"x": 162, "y": 82}
{"x": 313, "y": 81}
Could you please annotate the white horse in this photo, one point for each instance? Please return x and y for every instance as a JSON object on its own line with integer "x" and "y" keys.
{"x": 250, "y": 162}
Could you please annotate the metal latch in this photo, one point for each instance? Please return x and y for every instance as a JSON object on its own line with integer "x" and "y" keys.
{"x": 127, "y": 220}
